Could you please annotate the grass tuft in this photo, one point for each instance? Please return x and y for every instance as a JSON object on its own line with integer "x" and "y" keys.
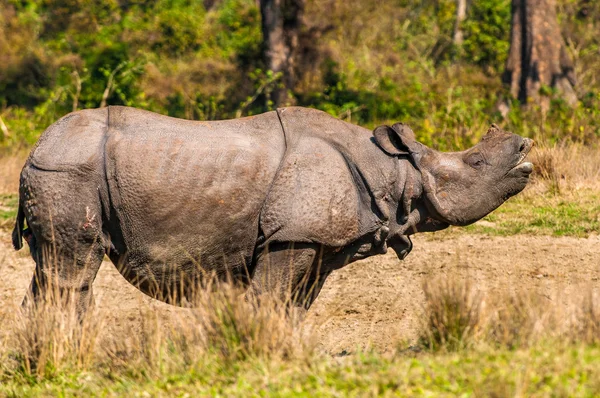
{"x": 517, "y": 320}
{"x": 452, "y": 314}
{"x": 239, "y": 327}
{"x": 457, "y": 317}
{"x": 50, "y": 338}
{"x": 587, "y": 321}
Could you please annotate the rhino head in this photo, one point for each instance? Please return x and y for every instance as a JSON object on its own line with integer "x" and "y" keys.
{"x": 462, "y": 187}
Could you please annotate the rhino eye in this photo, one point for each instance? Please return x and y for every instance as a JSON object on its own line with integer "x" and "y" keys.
{"x": 475, "y": 160}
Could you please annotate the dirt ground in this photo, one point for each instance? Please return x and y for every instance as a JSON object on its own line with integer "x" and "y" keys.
{"x": 374, "y": 302}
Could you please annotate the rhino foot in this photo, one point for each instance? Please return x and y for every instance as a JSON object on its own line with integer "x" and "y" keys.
{"x": 380, "y": 240}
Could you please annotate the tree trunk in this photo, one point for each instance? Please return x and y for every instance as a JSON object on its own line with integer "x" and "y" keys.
{"x": 209, "y": 4}
{"x": 461, "y": 13}
{"x": 281, "y": 24}
{"x": 537, "y": 56}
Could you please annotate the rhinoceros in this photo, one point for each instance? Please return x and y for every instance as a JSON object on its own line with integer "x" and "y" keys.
{"x": 273, "y": 202}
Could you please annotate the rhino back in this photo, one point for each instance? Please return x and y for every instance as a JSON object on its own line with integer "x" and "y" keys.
{"x": 190, "y": 193}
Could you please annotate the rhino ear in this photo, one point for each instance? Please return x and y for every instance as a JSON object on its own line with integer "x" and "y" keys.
{"x": 396, "y": 140}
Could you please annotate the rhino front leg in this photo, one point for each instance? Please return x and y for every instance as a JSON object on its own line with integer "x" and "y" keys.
{"x": 290, "y": 271}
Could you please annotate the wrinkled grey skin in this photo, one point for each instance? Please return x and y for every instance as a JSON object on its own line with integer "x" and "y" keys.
{"x": 274, "y": 202}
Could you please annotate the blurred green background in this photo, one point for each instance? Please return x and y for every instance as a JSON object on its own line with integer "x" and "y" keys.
{"x": 368, "y": 62}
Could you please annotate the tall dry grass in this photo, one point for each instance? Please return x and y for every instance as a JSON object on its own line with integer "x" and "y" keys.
{"x": 51, "y": 338}
{"x": 224, "y": 326}
{"x": 565, "y": 167}
{"x": 456, "y": 315}
{"x": 452, "y": 314}
{"x": 587, "y": 318}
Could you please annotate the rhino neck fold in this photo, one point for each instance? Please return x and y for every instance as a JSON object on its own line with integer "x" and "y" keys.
{"x": 373, "y": 191}
{"x": 436, "y": 208}
{"x": 373, "y": 171}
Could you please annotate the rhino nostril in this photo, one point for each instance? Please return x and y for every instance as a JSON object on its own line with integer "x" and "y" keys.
{"x": 526, "y": 144}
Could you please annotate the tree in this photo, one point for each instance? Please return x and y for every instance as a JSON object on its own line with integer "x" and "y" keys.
{"x": 461, "y": 13}
{"x": 282, "y": 21}
{"x": 538, "y": 59}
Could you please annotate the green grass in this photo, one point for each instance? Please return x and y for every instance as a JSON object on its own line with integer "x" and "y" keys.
{"x": 8, "y": 209}
{"x": 543, "y": 370}
{"x": 574, "y": 214}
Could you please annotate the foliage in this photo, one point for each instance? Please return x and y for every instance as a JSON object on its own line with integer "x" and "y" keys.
{"x": 375, "y": 62}
{"x": 487, "y": 29}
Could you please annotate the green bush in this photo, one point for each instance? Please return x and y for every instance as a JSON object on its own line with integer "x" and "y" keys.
{"x": 378, "y": 62}
{"x": 487, "y": 34}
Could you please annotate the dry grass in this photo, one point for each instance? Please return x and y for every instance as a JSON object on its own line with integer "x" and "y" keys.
{"x": 229, "y": 341}
{"x": 587, "y": 319}
{"x": 458, "y": 316}
{"x": 452, "y": 314}
{"x": 11, "y": 165}
{"x": 237, "y": 325}
{"x": 565, "y": 167}
{"x": 239, "y": 347}
{"x": 517, "y": 320}
{"x": 228, "y": 327}
{"x": 49, "y": 338}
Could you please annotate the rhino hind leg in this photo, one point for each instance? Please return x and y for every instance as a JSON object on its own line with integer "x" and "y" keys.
{"x": 291, "y": 272}
{"x": 63, "y": 213}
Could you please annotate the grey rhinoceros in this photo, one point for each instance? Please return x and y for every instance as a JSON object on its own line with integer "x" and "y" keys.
{"x": 274, "y": 202}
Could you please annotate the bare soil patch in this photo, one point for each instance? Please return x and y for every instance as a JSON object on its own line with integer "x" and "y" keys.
{"x": 376, "y": 302}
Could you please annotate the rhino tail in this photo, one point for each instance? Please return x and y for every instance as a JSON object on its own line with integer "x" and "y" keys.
{"x": 17, "y": 235}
